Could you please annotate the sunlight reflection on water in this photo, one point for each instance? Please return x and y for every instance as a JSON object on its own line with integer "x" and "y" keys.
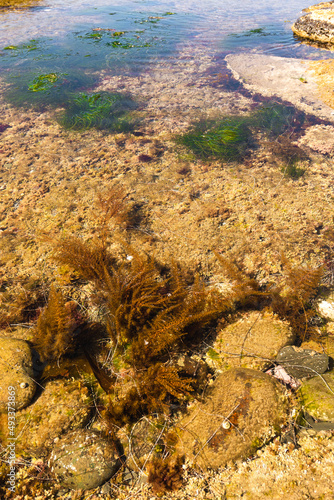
{"x": 57, "y": 35}
{"x": 214, "y": 21}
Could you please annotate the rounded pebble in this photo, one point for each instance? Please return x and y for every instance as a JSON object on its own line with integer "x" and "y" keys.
{"x": 84, "y": 459}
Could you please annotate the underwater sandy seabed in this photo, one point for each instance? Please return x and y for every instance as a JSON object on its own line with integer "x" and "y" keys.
{"x": 188, "y": 208}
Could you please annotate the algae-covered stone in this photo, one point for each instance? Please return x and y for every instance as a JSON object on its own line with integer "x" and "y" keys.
{"x": 146, "y": 439}
{"x": 84, "y": 460}
{"x": 63, "y": 405}
{"x": 16, "y": 373}
{"x": 328, "y": 345}
{"x": 244, "y": 409}
{"x": 300, "y": 363}
{"x": 317, "y": 395}
{"x": 252, "y": 342}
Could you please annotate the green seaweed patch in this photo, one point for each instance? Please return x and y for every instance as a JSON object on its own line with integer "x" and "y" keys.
{"x": 231, "y": 137}
{"x": 118, "y": 39}
{"x": 53, "y": 89}
{"x": 275, "y": 118}
{"x": 292, "y": 170}
{"x": 30, "y": 46}
{"x": 100, "y": 33}
{"x": 93, "y": 36}
{"x": 227, "y": 139}
{"x": 252, "y": 32}
{"x": 103, "y": 110}
{"x": 45, "y": 83}
{"x": 214, "y": 355}
{"x": 151, "y": 20}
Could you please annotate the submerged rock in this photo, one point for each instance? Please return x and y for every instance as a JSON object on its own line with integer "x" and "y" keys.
{"x": 287, "y": 78}
{"x": 300, "y": 363}
{"x": 194, "y": 367}
{"x": 243, "y": 410}
{"x": 84, "y": 460}
{"x": 317, "y": 24}
{"x": 318, "y": 396}
{"x": 320, "y": 138}
{"x": 252, "y": 342}
{"x": 16, "y": 373}
{"x": 144, "y": 441}
{"x": 63, "y": 405}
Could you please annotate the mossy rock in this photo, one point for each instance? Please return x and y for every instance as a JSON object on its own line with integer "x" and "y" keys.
{"x": 317, "y": 395}
{"x": 244, "y": 409}
{"x": 322, "y": 345}
{"x": 252, "y": 342}
{"x": 63, "y": 405}
{"x": 17, "y": 383}
{"x": 144, "y": 440}
{"x": 18, "y": 3}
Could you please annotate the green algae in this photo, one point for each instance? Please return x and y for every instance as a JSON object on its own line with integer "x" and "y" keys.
{"x": 317, "y": 397}
{"x": 32, "y": 45}
{"x": 38, "y": 91}
{"x": 252, "y": 32}
{"x": 103, "y": 110}
{"x": 292, "y": 170}
{"x": 230, "y": 138}
{"x": 226, "y": 139}
{"x": 119, "y": 39}
{"x": 275, "y": 118}
{"x": 44, "y": 83}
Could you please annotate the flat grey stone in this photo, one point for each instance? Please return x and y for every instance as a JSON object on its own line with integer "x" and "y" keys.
{"x": 301, "y": 363}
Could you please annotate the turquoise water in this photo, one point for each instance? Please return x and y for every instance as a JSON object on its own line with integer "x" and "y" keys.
{"x": 58, "y": 47}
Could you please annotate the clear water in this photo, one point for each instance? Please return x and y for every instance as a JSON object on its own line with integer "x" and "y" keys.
{"x": 71, "y": 37}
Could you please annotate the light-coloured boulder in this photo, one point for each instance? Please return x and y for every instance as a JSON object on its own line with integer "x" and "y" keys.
{"x": 64, "y": 405}
{"x": 252, "y": 342}
{"x": 326, "y": 309}
{"x": 320, "y": 138}
{"x": 317, "y": 24}
{"x": 243, "y": 409}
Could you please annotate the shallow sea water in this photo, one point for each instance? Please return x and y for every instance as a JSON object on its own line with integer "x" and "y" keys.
{"x": 57, "y": 35}
{"x": 169, "y": 56}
